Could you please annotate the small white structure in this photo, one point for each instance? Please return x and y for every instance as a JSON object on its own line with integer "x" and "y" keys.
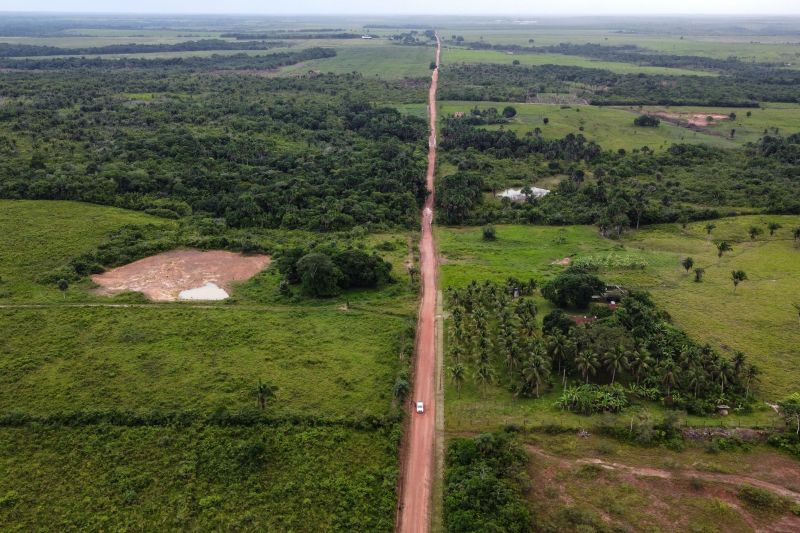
{"x": 367, "y": 37}
{"x": 209, "y": 291}
{"x": 516, "y": 195}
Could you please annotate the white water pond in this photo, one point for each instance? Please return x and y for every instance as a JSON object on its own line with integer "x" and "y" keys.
{"x": 209, "y": 291}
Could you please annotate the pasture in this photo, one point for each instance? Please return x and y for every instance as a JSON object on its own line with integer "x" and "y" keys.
{"x": 778, "y": 48}
{"x": 611, "y": 128}
{"x": 37, "y": 237}
{"x": 451, "y": 55}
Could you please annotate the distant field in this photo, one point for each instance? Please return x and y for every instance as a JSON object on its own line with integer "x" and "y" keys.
{"x": 612, "y": 128}
{"x": 373, "y": 58}
{"x": 283, "y": 478}
{"x": 745, "y": 47}
{"x": 463, "y": 55}
{"x": 759, "y": 319}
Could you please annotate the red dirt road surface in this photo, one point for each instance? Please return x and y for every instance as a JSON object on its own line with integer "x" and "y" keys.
{"x": 162, "y": 277}
{"x": 418, "y": 464}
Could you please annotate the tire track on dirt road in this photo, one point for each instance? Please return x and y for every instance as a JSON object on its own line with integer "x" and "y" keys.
{"x": 418, "y": 463}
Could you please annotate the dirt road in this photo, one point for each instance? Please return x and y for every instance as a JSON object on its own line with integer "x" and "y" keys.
{"x": 418, "y": 463}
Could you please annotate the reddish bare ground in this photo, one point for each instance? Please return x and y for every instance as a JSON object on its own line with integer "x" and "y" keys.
{"x": 665, "y": 488}
{"x": 415, "y": 491}
{"x": 698, "y": 120}
{"x": 161, "y": 277}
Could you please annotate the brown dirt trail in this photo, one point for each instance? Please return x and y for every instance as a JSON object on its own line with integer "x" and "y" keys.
{"x": 415, "y": 488}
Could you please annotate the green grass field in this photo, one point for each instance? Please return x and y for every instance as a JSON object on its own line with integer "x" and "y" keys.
{"x": 612, "y": 128}
{"x": 375, "y": 58}
{"x": 76, "y": 356}
{"x": 745, "y": 47}
{"x": 451, "y": 55}
{"x": 759, "y": 319}
{"x": 196, "y": 359}
{"x": 39, "y": 236}
{"x": 197, "y": 478}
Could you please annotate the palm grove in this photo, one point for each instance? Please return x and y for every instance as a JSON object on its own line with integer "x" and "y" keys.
{"x": 634, "y": 353}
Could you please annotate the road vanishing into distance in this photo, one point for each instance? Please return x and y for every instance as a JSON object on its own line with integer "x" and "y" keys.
{"x": 415, "y": 492}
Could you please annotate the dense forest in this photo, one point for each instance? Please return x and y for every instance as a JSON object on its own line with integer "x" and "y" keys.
{"x": 519, "y": 83}
{"x": 615, "y": 190}
{"x": 308, "y": 152}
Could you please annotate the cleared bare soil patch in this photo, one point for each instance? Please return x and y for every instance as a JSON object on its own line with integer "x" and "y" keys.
{"x": 679, "y": 493}
{"x": 697, "y": 120}
{"x": 164, "y": 276}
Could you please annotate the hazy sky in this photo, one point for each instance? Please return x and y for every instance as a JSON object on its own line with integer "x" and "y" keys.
{"x": 462, "y": 7}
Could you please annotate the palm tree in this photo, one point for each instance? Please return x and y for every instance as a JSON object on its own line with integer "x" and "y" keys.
{"x": 688, "y": 263}
{"x": 616, "y": 359}
{"x": 263, "y": 392}
{"x": 754, "y": 232}
{"x": 695, "y": 378}
{"x": 773, "y": 227}
{"x": 751, "y": 376}
{"x": 698, "y": 274}
{"x": 796, "y": 234}
{"x": 709, "y": 228}
{"x": 557, "y": 344}
{"x": 668, "y": 374}
{"x": 587, "y": 363}
{"x": 457, "y": 376}
{"x": 484, "y": 374}
{"x": 738, "y": 276}
{"x": 640, "y": 362}
{"x": 723, "y": 247}
{"x": 535, "y": 371}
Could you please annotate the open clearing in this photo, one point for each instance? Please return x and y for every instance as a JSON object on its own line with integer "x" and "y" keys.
{"x": 611, "y": 128}
{"x": 165, "y": 276}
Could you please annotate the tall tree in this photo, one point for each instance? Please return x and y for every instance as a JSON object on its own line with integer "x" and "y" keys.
{"x": 457, "y": 376}
{"x": 587, "y": 363}
{"x": 616, "y": 360}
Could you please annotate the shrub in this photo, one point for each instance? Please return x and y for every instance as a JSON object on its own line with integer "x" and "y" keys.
{"x": 489, "y": 233}
{"x": 589, "y": 399}
{"x": 572, "y": 288}
{"x": 646, "y": 121}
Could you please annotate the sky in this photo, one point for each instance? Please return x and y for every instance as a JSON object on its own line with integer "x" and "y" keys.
{"x": 459, "y": 7}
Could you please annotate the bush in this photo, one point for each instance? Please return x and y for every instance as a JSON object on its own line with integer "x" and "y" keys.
{"x": 589, "y": 399}
{"x": 319, "y": 276}
{"x": 761, "y": 499}
{"x": 489, "y": 233}
{"x": 573, "y": 288}
{"x": 484, "y": 485}
{"x": 646, "y": 121}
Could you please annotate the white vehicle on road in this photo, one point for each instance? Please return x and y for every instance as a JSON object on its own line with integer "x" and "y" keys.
{"x": 420, "y": 407}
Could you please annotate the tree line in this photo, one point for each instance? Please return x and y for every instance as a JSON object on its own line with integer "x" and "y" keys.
{"x": 36, "y": 50}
